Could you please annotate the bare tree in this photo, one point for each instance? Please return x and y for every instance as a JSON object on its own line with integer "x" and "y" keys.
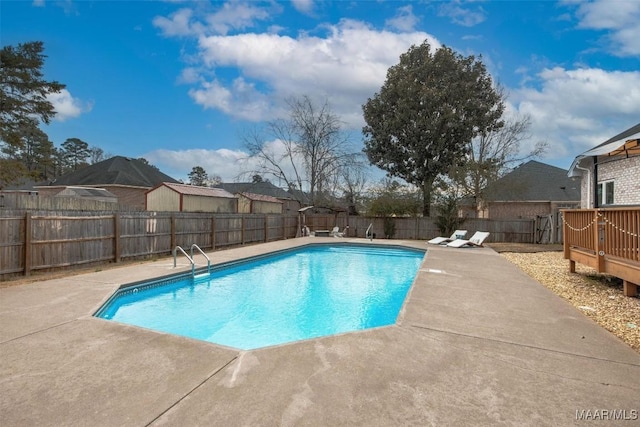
{"x": 492, "y": 154}
{"x": 306, "y": 151}
{"x": 277, "y": 158}
{"x": 97, "y": 154}
{"x": 353, "y": 181}
{"x": 213, "y": 180}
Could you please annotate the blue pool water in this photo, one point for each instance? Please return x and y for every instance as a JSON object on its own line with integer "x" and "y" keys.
{"x": 295, "y": 295}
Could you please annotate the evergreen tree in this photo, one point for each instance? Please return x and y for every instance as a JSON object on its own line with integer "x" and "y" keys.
{"x": 23, "y": 102}
{"x": 198, "y": 176}
{"x": 430, "y": 107}
{"x": 76, "y": 152}
{"x": 23, "y": 90}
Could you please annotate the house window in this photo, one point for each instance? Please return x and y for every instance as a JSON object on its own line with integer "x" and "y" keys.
{"x": 605, "y": 193}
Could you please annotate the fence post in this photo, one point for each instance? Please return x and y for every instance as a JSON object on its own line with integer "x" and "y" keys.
{"x": 116, "y": 236}
{"x": 173, "y": 232}
{"x": 266, "y": 228}
{"x": 213, "y": 233}
{"x": 27, "y": 243}
{"x": 565, "y": 242}
{"x": 242, "y": 229}
{"x": 599, "y": 236}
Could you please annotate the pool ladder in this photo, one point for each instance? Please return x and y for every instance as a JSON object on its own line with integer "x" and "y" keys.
{"x": 190, "y": 258}
{"x": 369, "y": 233}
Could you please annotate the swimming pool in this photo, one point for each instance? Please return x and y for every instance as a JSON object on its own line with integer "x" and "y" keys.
{"x": 297, "y": 294}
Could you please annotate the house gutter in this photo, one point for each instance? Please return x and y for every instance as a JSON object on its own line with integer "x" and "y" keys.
{"x": 588, "y": 183}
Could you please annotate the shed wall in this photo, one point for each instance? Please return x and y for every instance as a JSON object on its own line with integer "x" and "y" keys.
{"x": 163, "y": 199}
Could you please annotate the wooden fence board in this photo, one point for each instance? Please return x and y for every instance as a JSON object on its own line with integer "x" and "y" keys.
{"x": 12, "y": 244}
{"x": 46, "y": 240}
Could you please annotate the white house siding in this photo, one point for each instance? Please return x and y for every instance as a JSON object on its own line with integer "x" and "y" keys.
{"x": 625, "y": 174}
{"x": 163, "y": 199}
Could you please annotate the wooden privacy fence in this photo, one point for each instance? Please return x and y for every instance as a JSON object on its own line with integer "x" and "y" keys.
{"x": 608, "y": 240}
{"x": 31, "y": 201}
{"x": 421, "y": 228}
{"x": 47, "y": 240}
{"x": 549, "y": 228}
{"x": 424, "y": 228}
{"x": 43, "y": 241}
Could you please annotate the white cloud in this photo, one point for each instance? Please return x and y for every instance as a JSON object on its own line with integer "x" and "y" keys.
{"x": 574, "y": 110}
{"x": 234, "y": 15}
{"x": 189, "y": 75}
{"x": 464, "y": 16}
{"x": 230, "y": 165}
{"x": 66, "y": 106}
{"x": 619, "y": 18}
{"x": 241, "y": 100}
{"x": 346, "y": 66}
{"x": 178, "y": 163}
{"x": 178, "y": 24}
{"x": 304, "y": 6}
{"x": 404, "y": 20}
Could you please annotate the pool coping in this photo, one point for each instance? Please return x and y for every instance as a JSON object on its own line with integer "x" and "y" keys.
{"x": 477, "y": 342}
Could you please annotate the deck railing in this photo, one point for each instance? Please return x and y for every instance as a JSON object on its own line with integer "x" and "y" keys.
{"x": 607, "y": 240}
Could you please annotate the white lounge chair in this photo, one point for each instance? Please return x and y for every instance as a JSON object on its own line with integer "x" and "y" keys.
{"x": 476, "y": 240}
{"x": 458, "y": 234}
{"x": 337, "y": 233}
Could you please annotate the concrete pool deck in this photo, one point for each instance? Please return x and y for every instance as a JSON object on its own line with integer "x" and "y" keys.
{"x": 478, "y": 343}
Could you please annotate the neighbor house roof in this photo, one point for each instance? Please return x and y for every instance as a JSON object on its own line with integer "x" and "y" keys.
{"x": 265, "y": 188}
{"x": 623, "y": 143}
{"x": 534, "y": 181}
{"x": 194, "y": 190}
{"x": 87, "y": 193}
{"x": 117, "y": 170}
{"x": 260, "y": 197}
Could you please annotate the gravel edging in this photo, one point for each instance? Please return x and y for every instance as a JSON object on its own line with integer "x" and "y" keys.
{"x": 596, "y": 295}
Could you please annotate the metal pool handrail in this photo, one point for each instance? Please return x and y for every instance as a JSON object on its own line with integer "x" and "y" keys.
{"x": 193, "y": 264}
{"x": 205, "y": 255}
{"x": 369, "y": 233}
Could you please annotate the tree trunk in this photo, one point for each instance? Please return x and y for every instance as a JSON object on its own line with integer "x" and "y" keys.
{"x": 426, "y": 197}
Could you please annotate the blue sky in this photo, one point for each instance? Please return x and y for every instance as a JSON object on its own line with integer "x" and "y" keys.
{"x": 181, "y": 82}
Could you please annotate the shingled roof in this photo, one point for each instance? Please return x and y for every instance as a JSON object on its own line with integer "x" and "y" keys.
{"x": 534, "y": 181}
{"x": 265, "y": 188}
{"x": 260, "y": 197}
{"x": 194, "y": 190}
{"x": 117, "y": 170}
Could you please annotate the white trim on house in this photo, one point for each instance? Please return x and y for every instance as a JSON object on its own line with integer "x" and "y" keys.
{"x": 610, "y": 172}
{"x": 618, "y": 146}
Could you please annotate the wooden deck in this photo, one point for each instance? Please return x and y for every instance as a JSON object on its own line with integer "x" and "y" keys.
{"x": 607, "y": 240}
